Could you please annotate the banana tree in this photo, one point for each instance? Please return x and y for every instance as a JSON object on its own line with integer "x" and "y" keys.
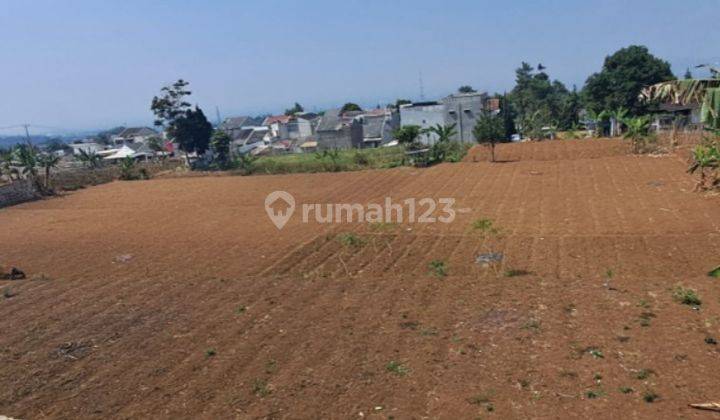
{"x": 705, "y": 92}
{"x": 47, "y": 162}
{"x": 617, "y": 117}
{"x": 706, "y": 160}
{"x": 90, "y": 159}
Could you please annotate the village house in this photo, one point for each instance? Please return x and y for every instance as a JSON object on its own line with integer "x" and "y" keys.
{"x": 378, "y": 126}
{"x": 423, "y": 115}
{"x": 134, "y": 135}
{"x": 237, "y": 127}
{"x": 460, "y": 109}
{"x": 668, "y": 116}
{"x": 338, "y": 131}
{"x": 463, "y": 110}
{"x": 288, "y": 127}
{"x": 87, "y": 147}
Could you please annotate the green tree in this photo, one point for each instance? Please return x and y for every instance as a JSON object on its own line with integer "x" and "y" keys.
{"x": 155, "y": 144}
{"x": 295, "y": 109}
{"x": 489, "y": 130}
{"x": 221, "y": 146}
{"x": 538, "y": 102}
{"x": 623, "y": 76}
{"x": 350, "y": 107}
{"x": 127, "y": 168}
{"x": 25, "y": 157}
{"x": 402, "y": 102}
{"x": 171, "y": 105}
{"x": 466, "y": 89}
{"x": 192, "y": 132}
{"x": 407, "y": 134}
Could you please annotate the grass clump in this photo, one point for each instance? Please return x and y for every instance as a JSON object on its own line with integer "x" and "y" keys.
{"x": 626, "y": 390}
{"x": 397, "y": 368}
{"x": 644, "y": 374}
{"x": 596, "y": 353}
{"x": 260, "y": 388}
{"x": 210, "y": 353}
{"x": 437, "y": 268}
{"x": 650, "y": 397}
{"x": 593, "y": 394}
{"x": 485, "y": 226}
{"x": 687, "y": 296}
{"x": 351, "y": 240}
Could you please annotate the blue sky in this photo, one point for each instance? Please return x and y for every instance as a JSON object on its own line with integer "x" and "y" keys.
{"x": 94, "y": 64}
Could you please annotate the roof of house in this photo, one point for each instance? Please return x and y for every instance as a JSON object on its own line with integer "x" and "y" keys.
{"x": 234, "y": 123}
{"x": 282, "y": 119}
{"x": 332, "y": 120}
{"x": 373, "y": 126}
{"x": 137, "y": 131}
{"x": 670, "y": 107}
{"x": 121, "y": 153}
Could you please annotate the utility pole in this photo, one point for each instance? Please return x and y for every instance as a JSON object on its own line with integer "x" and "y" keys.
{"x": 27, "y": 135}
{"x": 422, "y": 88}
{"x": 217, "y": 114}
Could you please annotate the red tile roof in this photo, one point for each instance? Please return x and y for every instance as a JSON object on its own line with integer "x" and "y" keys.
{"x": 283, "y": 119}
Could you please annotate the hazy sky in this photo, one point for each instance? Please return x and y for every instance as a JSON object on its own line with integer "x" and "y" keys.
{"x": 94, "y": 64}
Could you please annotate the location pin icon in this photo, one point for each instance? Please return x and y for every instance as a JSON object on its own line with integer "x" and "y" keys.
{"x": 279, "y": 206}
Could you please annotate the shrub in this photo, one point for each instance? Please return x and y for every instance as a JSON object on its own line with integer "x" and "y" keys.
{"x": 638, "y": 131}
{"x": 437, "y": 268}
{"x": 686, "y": 296}
{"x": 397, "y": 368}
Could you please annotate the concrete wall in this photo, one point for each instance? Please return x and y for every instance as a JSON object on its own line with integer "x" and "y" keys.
{"x": 424, "y": 116}
{"x": 463, "y": 110}
{"x": 17, "y": 192}
{"x": 348, "y": 137}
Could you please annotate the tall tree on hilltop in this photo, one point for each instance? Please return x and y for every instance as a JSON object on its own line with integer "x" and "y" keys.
{"x": 350, "y": 107}
{"x": 623, "y": 76}
{"x": 537, "y": 101}
{"x": 295, "y": 109}
{"x": 171, "y": 105}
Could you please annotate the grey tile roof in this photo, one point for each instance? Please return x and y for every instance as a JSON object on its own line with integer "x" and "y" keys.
{"x": 330, "y": 121}
{"x": 233, "y": 123}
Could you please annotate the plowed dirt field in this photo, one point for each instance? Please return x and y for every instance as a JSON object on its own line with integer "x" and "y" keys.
{"x": 178, "y": 298}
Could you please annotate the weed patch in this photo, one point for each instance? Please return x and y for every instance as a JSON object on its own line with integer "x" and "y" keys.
{"x": 397, "y": 368}
{"x": 686, "y": 296}
{"x": 437, "y": 268}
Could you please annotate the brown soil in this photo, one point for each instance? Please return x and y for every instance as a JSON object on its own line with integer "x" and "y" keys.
{"x": 178, "y": 298}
